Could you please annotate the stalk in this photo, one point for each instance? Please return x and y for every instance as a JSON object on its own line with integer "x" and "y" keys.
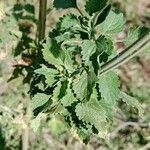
{"x": 128, "y": 53}
{"x": 42, "y": 19}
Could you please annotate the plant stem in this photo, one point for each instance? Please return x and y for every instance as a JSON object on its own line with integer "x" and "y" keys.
{"x": 128, "y": 53}
{"x": 80, "y": 12}
{"x": 42, "y": 19}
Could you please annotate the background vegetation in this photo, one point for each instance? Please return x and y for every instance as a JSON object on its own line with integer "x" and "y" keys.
{"x": 129, "y": 130}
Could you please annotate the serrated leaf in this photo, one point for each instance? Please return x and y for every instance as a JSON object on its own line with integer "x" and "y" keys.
{"x": 134, "y": 34}
{"x": 113, "y": 23}
{"x": 62, "y": 37}
{"x": 80, "y": 133}
{"x": 92, "y": 112}
{"x": 39, "y": 100}
{"x": 80, "y": 130}
{"x": 109, "y": 88}
{"x": 40, "y": 86}
{"x": 56, "y": 92}
{"x": 69, "y": 98}
{"x": 93, "y": 6}
{"x": 45, "y": 71}
{"x": 49, "y": 74}
{"x": 132, "y": 102}
{"x": 88, "y": 48}
{"x": 68, "y": 62}
{"x": 107, "y": 108}
{"x": 64, "y": 4}
{"x": 104, "y": 45}
{"x": 67, "y": 22}
{"x": 80, "y": 86}
{"x": 52, "y": 53}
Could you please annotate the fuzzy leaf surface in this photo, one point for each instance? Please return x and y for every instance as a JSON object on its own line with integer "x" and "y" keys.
{"x": 56, "y": 92}
{"x": 104, "y": 45}
{"x": 68, "y": 62}
{"x": 68, "y": 21}
{"x": 92, "y": 112}
{"x": 113, "y": 23}
{"x": 69, "y": 98}
{"x": 39, "y": 100}
{"x": 134, "y": 34}
{"x": 88, "y": 48}
{"x": 49, "y": 74}
{"x": 52, "y": 53}
{"x": 109, "y": 87}
{"x": 80, "y": 86}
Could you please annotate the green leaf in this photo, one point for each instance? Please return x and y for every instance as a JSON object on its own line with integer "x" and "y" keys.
{"x": 104, "y": 45}
{"x": 52, "y": 53}
{"x": 113, "y": 23}
{"x": 67, "y": 22}
{"x": 93, "y": 6}
{"x": 80, "y": 86}
{"x": 45, "y": 71}
{"x": 62, "y": 37}
{"x": 64, "y": 4}
{"x": 134, "y": 34}
{"x": 132, "y": 102}
{"x": 92, "y": 112}
{"x": 88, "y": 48}
{"x": 68, "y": 62}
{"x": 39, "y": 100}
{"x": 81, "y": 133}
{"x": 69, "y": 98}
{"x": 109, "y": 88}
{"x": 79, "y": 130}
{"x": 49, "y": 74}
{"x": 56, "y": 93}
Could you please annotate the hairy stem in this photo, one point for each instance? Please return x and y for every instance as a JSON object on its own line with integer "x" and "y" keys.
{"x": 42, "y": 19}
{"x": 128, "y": 53}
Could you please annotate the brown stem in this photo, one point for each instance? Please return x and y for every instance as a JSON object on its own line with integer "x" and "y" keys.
{"x": 42, "y": 19}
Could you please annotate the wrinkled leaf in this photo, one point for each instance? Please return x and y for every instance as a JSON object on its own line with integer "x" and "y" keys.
{"x": 113, "y": 23}
{"x": 109, "y": 88}
{"x": 39, "y": 100}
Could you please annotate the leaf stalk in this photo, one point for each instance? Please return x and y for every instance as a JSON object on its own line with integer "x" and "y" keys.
{"x": 138, "y": 46}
